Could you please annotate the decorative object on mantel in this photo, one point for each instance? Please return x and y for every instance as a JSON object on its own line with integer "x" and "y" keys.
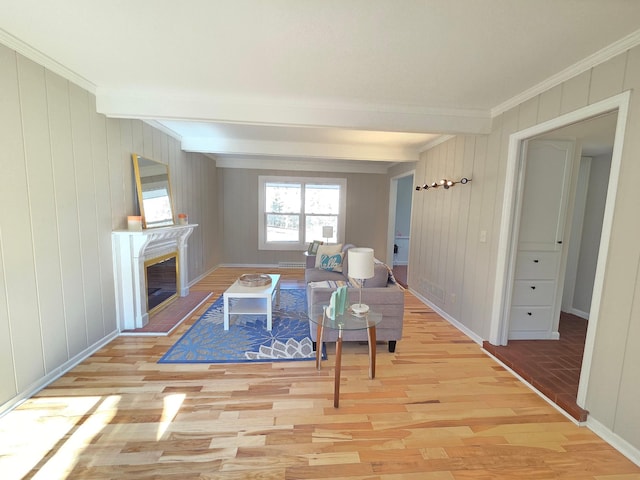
{"x": 154, "y": 192}
{"x": 254, "y": 280}
{"x": 444, "y": 183}
{"x": 134, "y": 223}
{"x": 183, "y": 219}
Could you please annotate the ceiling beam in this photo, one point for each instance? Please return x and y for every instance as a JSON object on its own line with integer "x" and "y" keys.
{"x": 230, "y": 146}
{"x": 159, "y": 105}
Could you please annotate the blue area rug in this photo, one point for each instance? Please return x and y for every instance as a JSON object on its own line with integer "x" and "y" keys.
{"x": 248, "y": 339}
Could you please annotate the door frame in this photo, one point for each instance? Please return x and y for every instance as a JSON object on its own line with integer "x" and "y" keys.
{"x": 393, "y": 201}
{"x": 505, "y": 261}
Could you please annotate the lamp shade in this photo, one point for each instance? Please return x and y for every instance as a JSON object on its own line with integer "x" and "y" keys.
{"x": 327, "y": 232}
{"x": 360, "y": 263}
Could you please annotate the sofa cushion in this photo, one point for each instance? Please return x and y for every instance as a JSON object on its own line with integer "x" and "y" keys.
{"x": 380, "y": 277}
{"x": 331, "y": 262}
{"x": 327, "y": 250}
{"x": 319, "y": 275}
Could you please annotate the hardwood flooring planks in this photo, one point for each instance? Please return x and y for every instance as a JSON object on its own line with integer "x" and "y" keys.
{"x": 438, "y": 409}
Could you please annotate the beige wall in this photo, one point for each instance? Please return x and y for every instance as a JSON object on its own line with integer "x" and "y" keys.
{"x": 67, "y": 182}
{"x": 367, "y": 214}
{"x": 452, "y": 268}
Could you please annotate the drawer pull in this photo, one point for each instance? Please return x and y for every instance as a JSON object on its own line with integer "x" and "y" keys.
{"x": 536, "y": 261}
{"x": 529, "y": 313}
{"x": 533, "y": 287}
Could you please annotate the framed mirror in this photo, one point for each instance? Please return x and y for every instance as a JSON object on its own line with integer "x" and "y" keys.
{"x": 154, "y": 192}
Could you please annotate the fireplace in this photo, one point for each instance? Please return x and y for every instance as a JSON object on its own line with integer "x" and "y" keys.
{"x": 161, "y": 275}
{"x": 133, "y": 251}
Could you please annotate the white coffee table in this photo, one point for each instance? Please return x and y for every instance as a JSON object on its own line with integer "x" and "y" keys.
{"x": 252, "y": 300}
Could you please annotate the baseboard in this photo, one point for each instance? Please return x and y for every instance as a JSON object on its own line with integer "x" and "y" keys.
{"x": 205, "y": 274}
{"x": 463, "y": 328}
{"x": 578, "y": 313}
{"x": 250, "y": 265}
{"x": 55, "y": 374}
{"x": 613, "y": 439}
{"x": 533, "y": 335}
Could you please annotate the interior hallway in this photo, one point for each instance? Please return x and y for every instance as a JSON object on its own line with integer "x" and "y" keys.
{"x": 551, "y": 366}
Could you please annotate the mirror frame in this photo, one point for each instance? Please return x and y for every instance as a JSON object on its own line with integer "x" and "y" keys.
{"x": 165, "y": 222}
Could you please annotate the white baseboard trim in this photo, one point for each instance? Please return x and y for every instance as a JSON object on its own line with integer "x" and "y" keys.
{"x": 55, "y": 374}
{"x": 617, "y": 442}
{"x": 578, "y": 313}
{"x": 463, "y": 328}
{"x": 208, "y": 272}
{"x": 250, "y": 265}
{"x": 533, "y": 335}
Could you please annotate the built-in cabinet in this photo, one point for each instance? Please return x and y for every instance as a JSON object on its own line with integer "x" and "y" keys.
{"x": 537, "y": 292}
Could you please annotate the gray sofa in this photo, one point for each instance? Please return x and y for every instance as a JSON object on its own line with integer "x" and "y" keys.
{"x": 381, "y": 293}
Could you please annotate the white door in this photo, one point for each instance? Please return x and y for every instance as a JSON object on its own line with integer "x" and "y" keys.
{"x": 535, "y": 304}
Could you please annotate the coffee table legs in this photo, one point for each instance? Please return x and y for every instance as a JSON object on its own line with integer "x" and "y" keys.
{"x": 226, "y": 311}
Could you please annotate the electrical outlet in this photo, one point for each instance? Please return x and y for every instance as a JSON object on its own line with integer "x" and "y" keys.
{"x": 452, "y": 298}
{"x": 483, "y": 236}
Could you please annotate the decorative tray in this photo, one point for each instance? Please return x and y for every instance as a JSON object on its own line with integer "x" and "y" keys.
{"x": 254, "y": 280}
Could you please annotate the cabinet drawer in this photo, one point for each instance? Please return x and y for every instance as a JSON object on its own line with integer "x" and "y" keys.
{"x": 533, "y": 292}
{"x": 537, "y": 265}
{"x": 531, "y": 319}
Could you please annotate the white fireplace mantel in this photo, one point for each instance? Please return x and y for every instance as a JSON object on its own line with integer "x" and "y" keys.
{"x": 130, "y": 251}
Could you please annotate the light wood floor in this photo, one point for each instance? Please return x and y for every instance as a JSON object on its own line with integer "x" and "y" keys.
{"x": 438, "y": 409}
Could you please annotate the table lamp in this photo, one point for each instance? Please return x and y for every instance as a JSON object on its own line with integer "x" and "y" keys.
{"x": 327, "y": 232}
{"x": 360, "y": 265}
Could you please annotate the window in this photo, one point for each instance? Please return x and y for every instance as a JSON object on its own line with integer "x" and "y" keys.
{"x": 293, "y": 211}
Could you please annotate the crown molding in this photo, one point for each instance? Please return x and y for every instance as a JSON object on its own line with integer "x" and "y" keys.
{"x": 616, "y": 48}
{"x": 160, "y": 126}
{"x": 435, "y": 142}
{"x": 46, "y": 61}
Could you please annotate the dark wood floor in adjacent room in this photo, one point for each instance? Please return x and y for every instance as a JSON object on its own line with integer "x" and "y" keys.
{"x": 551, "y": 366}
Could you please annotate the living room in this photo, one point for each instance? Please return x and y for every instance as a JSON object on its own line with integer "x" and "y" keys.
{"x": 68, "y": 182}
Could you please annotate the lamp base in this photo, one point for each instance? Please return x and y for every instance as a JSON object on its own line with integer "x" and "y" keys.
{"x": 359, "y": 309}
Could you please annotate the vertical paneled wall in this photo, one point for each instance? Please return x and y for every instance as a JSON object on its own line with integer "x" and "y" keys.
{"x": 66, "y": 183}
{"x": 454, "y": 267}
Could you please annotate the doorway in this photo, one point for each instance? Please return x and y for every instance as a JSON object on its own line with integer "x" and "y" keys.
{"x": 399, "y": 231}
{"x": 499, "y": 336}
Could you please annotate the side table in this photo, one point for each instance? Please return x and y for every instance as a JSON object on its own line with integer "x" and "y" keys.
{"x": 347, "y": 321}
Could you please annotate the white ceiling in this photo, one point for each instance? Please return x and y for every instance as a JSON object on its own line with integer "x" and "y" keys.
{"x": 321, "y": 80}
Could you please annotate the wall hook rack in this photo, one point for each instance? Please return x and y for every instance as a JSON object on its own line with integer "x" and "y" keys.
{"x": 444, "y": 183}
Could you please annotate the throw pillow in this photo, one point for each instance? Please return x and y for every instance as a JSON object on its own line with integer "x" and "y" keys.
{"x": 327, "y": 250}
{"x": 332, "y": 263}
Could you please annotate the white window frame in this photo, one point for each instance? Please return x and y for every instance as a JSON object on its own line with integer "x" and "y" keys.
{"x": 300, "y": 245}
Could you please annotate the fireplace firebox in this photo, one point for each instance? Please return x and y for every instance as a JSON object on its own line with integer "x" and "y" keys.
{"x": 162, "y": 276}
